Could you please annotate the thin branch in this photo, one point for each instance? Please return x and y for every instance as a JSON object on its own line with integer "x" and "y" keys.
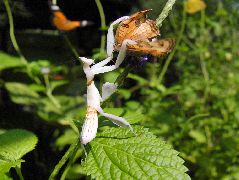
{"x": 167, "y": 8}
{"x": 12, "y": 35}
{"x": 19, "y": 173}
{"x": 71, "y": 46}
{"x": 171, "y": 55}
{"x": 63, "y": 160}
{"x": 103, "y": 25}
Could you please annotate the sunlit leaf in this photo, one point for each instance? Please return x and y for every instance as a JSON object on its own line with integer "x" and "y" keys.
{"x": 21, "y": 93}
{"x": 14, "y": 144}
{"x": 118, "y": 154}
{"x": 8, "y": 61}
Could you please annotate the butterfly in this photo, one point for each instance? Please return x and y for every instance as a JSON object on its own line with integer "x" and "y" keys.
{"x": 145, "y": 33}
{"x": 61, "y": 22}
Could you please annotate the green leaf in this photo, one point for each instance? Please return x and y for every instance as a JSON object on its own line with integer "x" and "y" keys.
{"x": 55, "y": 84}
{"x": 21, "y": 93}
{"x": 3, "y": 176}
{"x": 138, "y": 78}
{"x": 14, "y": 144}
{"x": 69, "y": 110}
{"x": 198, "y": 136}
{"x": 118, "y": 154}
{"x": 8, "y": 61}
{"x": 67, "y": 138}
{"x": 37, "y": 87}
{"x": 76, "y": 172}
{"x": 125, "y": 93}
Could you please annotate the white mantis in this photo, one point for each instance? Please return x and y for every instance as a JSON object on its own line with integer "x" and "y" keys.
{"x": 94, "y": 99}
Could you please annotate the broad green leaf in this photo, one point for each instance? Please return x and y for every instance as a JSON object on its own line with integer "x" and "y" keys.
{"x": 21, "y": 93}
{"x": 118, "y": 154}
{"x": 8, "y": 61}
{"x": 14, "y": 144}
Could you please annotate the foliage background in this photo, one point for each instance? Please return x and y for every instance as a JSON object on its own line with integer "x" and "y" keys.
{"x": 194, "y": 106}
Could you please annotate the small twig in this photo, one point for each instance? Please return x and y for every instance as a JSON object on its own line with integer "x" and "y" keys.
{"x": 171, "y": 55}
{"x": 15, "y": 44}
{"x": 120, "y": 79}
{"x": 73, "y": 49}
{"x": 63, "y": 160}
{"x": 165, "y": 12}
{"x": 49, "y": 91}
{"x": 118, "y": 82}
{"x": 19, "y": 173}
{"x": 71, "y": 160}
{"x": 103, "y": 24}
{"x": 12, "y": 35}
{"x": 201, "y": 56}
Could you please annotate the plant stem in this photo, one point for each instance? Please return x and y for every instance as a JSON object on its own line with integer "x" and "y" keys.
{"x": 118, "y": 82}
{"x": 76, "y": 147}
{"x": 12, "y": 35}
{"x": 19, "y": 173}
{"x": 63, "y": 160}
{"x": 170, "y": 57}
{"x": 49, "y": 92}
{"x": 15, "y": 44}
{"x": 202, "y": 62}
{"x": 103, "y": 24}
{"x": 120, "y": 79}
{"x": 73, "y": 49}
{"x": 165, "y": 12}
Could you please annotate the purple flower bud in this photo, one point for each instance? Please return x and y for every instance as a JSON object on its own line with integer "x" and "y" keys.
{"x": 139, "y": 60}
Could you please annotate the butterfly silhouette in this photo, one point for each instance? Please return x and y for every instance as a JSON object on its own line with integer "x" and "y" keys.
{"x": 61, "y": 22}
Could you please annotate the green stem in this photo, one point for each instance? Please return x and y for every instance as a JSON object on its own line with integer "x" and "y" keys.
{"x": 15, "y": 44}
{"x": 71, "y": 160}
{"x": 103, "y": 24}
{"x": 119, "y": 82}
{"x": 120, "y": 79}
{"x": 19, "y": 173}
{"x": 167, "y": 8}
{"x": 12, "y": 35}
{"x": 170, "y": 57}
{"x": 73, "y": 49}
{"x": 49, "y": 91}
{"x": 202, "y": 61}
{"x": 63, "y": 160}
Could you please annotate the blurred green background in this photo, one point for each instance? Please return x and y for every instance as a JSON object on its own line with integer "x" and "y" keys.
{"x": 193, "y": 105}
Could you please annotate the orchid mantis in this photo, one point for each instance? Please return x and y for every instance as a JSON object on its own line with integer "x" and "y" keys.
{"x": 94, "y": 98}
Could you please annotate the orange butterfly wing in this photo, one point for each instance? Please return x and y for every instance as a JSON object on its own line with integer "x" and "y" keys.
{"x": 62, "y": 23}
{"x": 159, "y": 48}
{"x": 136, "y": 27}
